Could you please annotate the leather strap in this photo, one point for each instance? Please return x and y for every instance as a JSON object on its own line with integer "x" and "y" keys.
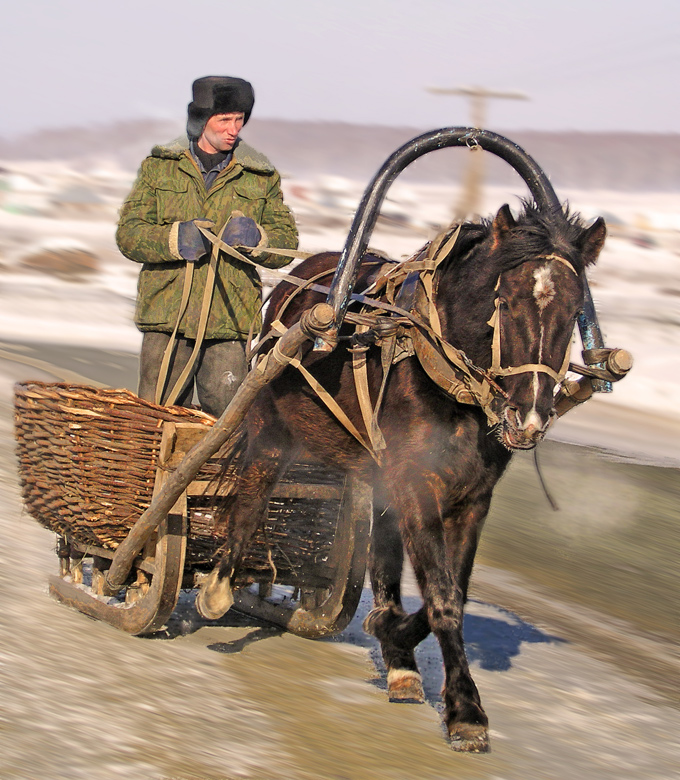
{"x": 497, "y": 369}
{"x": 208, "y": 291}
{"x": 216, "y": 241}
{"x": 323, "y": 394}
{"x": 368, "y": 413}
{"x": 167, "y": 355}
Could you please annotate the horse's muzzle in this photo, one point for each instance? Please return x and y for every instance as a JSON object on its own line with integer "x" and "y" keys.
{"x": 517, "y": 433}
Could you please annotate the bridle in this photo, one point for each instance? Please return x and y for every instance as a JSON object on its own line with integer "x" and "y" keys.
{"x": 497, "y": 370}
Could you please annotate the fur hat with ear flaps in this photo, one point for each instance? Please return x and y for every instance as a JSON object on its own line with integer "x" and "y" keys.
{"x": 218, "y": 95}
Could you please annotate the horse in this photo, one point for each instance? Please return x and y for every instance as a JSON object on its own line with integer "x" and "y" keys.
{"x": 507, "y": 295}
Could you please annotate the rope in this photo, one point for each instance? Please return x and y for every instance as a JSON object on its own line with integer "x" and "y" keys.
{"x": 553, "y": 504}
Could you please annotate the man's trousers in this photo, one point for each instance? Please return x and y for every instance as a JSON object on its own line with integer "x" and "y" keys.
{"x": 219, "y": 370}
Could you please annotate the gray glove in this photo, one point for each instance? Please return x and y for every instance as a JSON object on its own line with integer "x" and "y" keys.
{"x": 241, "y": 231}
{"x": 191, "y": 243}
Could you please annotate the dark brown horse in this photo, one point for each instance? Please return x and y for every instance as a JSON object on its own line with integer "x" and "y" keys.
{"x": 507, "y": 295}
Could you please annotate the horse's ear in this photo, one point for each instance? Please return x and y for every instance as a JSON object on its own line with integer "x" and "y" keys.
{"x": 503, "y": 223}
{"x": 592, "y": 241}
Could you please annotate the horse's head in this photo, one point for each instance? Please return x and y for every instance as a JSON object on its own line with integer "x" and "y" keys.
{"x": 539, "y": 293}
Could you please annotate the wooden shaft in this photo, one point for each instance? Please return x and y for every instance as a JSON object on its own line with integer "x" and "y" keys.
{"x": 317, "y": 319}
{"x": 573, "y": 393}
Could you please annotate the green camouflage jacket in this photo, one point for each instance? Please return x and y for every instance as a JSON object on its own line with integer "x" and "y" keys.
{"x": 169, "y": 189}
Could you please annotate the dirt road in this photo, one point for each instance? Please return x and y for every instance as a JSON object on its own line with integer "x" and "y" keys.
{"x": 234, "y": 699}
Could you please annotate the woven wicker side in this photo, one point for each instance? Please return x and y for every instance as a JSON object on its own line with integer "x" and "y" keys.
{"x": 87, "y": 457}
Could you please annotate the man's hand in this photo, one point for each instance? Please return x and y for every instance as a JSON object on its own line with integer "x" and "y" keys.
{"x": 191, "y": 243}
{"x": 244, "y": 232}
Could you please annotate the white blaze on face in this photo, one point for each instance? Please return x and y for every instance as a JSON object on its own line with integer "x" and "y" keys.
{"x": 544, "y": 293}
{"x": 544, "y": 288}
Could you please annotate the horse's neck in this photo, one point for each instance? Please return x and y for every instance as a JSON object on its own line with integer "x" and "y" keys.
{"x": 465, "y": 302}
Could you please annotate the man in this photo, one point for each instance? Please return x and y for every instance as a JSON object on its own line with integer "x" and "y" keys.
{"x": 210, "y": 178}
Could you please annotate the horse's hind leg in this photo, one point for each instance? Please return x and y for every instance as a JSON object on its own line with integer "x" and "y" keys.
{"x": 268, "y": 454}
{"x": 398, "y": 632}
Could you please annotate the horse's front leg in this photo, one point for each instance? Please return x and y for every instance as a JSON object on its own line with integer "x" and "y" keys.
{"x": 398, "y": 632}
{"x": 442, "y": 551}
{"x": 269, "y": 453}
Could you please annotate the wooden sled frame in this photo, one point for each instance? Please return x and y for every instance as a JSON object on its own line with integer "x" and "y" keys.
{"x": 159, "y": 572}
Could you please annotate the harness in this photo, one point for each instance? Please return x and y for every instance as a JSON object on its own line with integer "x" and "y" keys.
{"x": 403, "y": 322}
{"x": 448, "y": 367}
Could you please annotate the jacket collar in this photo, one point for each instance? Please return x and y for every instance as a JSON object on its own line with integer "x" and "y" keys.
{"x": 244, "y": 154}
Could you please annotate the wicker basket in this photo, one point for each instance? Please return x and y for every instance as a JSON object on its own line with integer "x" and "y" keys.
{"x": 87, "y": 467}
{"x": 87, "y": 457}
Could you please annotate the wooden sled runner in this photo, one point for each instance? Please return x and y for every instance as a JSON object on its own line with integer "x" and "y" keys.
{"x": 92, "y": 460}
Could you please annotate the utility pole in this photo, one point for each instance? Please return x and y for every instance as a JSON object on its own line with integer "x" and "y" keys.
{"x": 470, "y": 203}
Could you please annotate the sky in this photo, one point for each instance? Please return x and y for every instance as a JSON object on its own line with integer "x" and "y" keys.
{"x": 585, "y": 65}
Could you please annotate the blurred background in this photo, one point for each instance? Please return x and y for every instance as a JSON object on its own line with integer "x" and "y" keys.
{"x": 588, "y": 88}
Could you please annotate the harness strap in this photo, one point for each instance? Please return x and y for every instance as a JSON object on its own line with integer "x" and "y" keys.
{"x": 438, "y": 249}
{"x": 389, "y": 347}
{"x": 216, "y": 241}
{"x": 368, "y": 412}
{"x": 560, "y": 259}
{"x": 323, "y": 394}
{"x": 526, "y": 368}
{"x": 301, "y": 285}
{"x": 167, "y": 355}
{"x": 392, "y": 274}
{"x": 333, "y": 406}
{"x": 447, "y": 377}
{"x": 495, "y": 322}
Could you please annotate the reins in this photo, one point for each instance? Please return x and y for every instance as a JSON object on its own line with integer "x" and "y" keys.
{"x": 412, "y": 328}
{"x": 202, "y": 324}
{"x": 217, "y": 245}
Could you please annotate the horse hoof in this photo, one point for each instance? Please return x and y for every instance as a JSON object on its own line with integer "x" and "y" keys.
{"x": 405, "y": 685}
{"x": 469, "y": 738}
{"x": 215, "y": 597}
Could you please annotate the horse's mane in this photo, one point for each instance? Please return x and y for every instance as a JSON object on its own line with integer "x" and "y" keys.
{"x": 537, "y": 232}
